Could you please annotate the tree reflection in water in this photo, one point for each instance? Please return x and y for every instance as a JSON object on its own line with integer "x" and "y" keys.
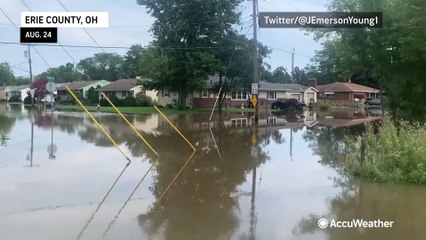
{"x": 202, "y": 202}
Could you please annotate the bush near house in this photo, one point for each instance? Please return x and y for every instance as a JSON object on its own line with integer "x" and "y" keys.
{"x": 129, "y": 101}
{"x": 143, "y": 100}
{"x": 15, "y": 98}
{"x": 27, "y": 100}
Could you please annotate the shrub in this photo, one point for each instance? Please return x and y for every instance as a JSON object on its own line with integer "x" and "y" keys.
{"x": 15, "y": 98}
{"x": 396, "y": 152}
{"x": 129, "y": 101}
{"x": 116, "y": 101}
{"x": 323, "y": 107}
{"x": 27, "y": 100}
{"x": 143, "y": 100}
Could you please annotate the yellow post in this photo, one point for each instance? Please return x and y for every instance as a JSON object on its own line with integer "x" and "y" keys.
{"x": 130, "y": 125}
{"x": 176, "y": 177}
{"x": 96, "y": 122}
{"x": 177, "y": 130}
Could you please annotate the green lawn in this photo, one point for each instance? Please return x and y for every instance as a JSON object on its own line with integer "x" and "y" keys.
{"x": 149, "y": 110}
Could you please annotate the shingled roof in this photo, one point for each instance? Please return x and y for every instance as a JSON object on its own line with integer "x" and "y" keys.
{"x": 121, "y": 85}
{"x": 346, "y": 87}
{"x": 289, "y": 87}
{"x": 77, "y": 85}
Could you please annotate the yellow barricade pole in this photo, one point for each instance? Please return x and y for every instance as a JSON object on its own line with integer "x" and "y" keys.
{"x": 130, "y": 125}
{"x": 177, "y": 130}
{"x": 176, "y": 177}
{"x": 96, "y": 122}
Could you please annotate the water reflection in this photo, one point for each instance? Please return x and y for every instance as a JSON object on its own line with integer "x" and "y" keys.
{"x": 216, "y": 195}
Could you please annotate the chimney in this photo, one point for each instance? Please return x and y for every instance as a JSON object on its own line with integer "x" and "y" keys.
{"x": 312, "y": 82}
{"x": 349, "y": 80}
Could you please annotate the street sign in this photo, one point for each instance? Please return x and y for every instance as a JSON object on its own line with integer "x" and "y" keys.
{"x": 51, "y": 150}
{"x": 255, "y": 88}
{"x": 253, "y": 139}
{"x": 254, "y": 152}
{"x": 50, "y": 86}
{"x": 254, "y": 100}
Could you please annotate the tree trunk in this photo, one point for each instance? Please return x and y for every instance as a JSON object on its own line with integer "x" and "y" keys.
{"x": 220, "y": 101}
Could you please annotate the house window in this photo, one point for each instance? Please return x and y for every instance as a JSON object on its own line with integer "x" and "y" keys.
{"x": 165, "y": 93}
{"x": 271, "y": 121}
{"x": 239, "y": 122}
{"x": 240, "y": 95}
{"x": 272, "y": 95}
{"x": 110, "y": 94}
{"x": 124, "y": 94}
{"x": 204, "y": 94}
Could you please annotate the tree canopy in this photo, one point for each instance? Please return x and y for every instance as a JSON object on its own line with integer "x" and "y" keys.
{"x": 391, "y": 58}
{"x": 6, "y": 74}
{"x": 187, "y": 35}
{"x": 62, "y": 74}
{"x": 102, "y": 66}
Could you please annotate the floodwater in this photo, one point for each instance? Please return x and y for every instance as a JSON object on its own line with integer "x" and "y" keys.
{"x": 61, "y": 178}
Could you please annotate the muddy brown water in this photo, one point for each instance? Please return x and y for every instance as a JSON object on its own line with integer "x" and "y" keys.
{"x": 62, "y": 179}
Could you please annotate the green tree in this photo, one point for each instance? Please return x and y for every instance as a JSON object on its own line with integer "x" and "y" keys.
{"x": 280, "y": 75}
{"x": 187, "y": 58}
{"x": 393, "y": 55}
{"x": 106, "y": 66}
{"x": 132, "y": 61}
{"x": 63, "y": 74}
{"x": 236, "y": 65}
{"x": 92, "y": 95}
{"x": 299, "y": 76}
{"x": 6, "y": 74}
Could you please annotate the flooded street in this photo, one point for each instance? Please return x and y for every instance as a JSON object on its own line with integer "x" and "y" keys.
{"x": 63, "y": 179}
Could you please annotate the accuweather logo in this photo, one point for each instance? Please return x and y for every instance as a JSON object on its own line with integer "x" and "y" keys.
{"x": 354, "y": 223}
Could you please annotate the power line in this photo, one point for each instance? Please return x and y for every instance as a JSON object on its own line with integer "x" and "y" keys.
{"x": 69, "y": 55}
{"x": 38, "y": 53}
{"x": 111, "y": 47}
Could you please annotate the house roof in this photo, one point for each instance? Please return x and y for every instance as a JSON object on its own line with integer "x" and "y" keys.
{"x": 77, "y": 85}
{"x": 346, "y": 87}
{"x": 289, "y": 87}
{"x": 16, "y": 88}
{"x": 121, "y": 85}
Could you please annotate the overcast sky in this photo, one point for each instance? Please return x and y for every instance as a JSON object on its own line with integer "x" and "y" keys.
{"x": 130, "y": 24}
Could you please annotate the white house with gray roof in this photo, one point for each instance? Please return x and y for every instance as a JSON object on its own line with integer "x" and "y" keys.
{"x": 276, "y": 91}
{"x": 20, "y": 91}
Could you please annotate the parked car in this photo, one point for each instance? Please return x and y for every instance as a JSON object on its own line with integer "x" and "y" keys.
{"x": 373, "y": 101}
{"x": 290, "y": 103}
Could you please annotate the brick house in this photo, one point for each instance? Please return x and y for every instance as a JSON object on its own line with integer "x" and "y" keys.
{"x": 345, "y": 92}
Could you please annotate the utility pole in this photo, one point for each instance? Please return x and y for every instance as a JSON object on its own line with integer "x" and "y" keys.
{"x": 255, "y": 60}
{"x": 292, "y": 66}
{"x": 31, "y": 73}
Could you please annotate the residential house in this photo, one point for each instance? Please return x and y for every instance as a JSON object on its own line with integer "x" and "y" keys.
{"x": 271, "y": 92}
{"x": 204, "y": 98}
{"x": 126, "y": 87}
{"x": 2, "y": 93}
{"x": 345, "y": 91}
{"x": 268, "y": 92}
{"x": 21, "y": 91}
{"x": 78, "y": 86}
